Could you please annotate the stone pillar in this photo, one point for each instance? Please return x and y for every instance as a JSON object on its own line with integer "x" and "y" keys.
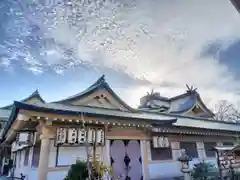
{"x": 149, "y": 153}
{"x": 144, "y": 156}
{"x": 44, "y": 157}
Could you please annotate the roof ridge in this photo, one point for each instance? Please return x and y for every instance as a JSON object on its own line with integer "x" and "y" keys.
{"x": 99, "y": 81}
{"x": 183, "y": 95}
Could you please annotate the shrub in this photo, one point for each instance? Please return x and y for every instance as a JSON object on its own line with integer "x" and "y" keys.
{"x": 99, "y": 169}
{"x": 77, "y": 171}
{"x": 203, "y": 171}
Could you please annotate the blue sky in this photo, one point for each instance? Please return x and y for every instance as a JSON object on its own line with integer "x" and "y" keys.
{"x": 138, "y": 45}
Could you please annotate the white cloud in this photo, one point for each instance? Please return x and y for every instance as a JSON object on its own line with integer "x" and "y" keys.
{"x": 160, "y": 41}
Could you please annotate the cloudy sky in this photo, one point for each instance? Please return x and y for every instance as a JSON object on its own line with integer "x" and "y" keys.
{"x": 61, "y": 47}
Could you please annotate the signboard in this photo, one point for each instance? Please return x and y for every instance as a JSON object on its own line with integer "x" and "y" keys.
{"x": 24, "y": 138}
{"x": 78, "y": 136}
{"x": 160, "y": 142}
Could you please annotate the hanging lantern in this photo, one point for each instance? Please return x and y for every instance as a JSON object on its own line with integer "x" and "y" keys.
{"x": 91, "y": 136}
{"x": 24, "y": 137}
{"x": 166, "y": 142}
{"x": 100, "y": 136}
{"x": 81, "y": 136}
{"x": 61, "y": 135}
{"x": 155, "y": 141}
{"x": 161, "y": 142}
{"x": 72, "y": 136}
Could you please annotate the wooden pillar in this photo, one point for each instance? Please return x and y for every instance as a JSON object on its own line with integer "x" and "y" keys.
{"x": 43, "y": 159}
{"x": 201, "y": 150}
{"x": 144, "y": 154}
{"x": 106, "y": 153}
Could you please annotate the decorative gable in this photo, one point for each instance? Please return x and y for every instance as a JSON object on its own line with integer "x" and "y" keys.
{"x": 32, "y": 99}
{"x": 198, "y": 110}
{"x": 189, "y": 104}
{"x": 101, "y": 98}
{"x": 100, "y": 95}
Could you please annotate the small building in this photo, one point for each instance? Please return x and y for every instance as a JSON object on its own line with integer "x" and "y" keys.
{"x": 144, "y": 143}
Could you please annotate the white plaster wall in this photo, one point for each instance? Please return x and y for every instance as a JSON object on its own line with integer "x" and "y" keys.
{"x": 167, "y": 169}
{"x": 68, "y": 156}
{"x": 28, "y": 171}
{"x": 20, "y": 168}
{"x": 32, "y": 174}
{"x": 164, "y": 169}
{"x": 52, "y": 154}
{"x": 171, "y": 168}
{"x": 57, "y": 175}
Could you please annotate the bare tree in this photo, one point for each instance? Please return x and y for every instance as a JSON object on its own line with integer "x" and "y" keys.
{"x": 226, "y": 111}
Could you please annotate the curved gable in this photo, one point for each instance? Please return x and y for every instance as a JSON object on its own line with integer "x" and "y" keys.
{"x": 199, "y": 109}
{"x": 33, "y": 98}
{"x": 99, "y": 94}
{"x": 191, "y": 104}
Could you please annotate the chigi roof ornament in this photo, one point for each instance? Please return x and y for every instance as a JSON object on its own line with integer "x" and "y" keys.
{"x": 151, "y": 93}
{"x": 191, "y": 89}
{"x": 101, "y": 79}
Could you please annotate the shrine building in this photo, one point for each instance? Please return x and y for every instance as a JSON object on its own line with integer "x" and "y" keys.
{"x": 44, "y": 139}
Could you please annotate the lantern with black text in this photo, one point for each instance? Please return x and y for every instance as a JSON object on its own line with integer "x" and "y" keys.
{"x": 91, "y": 135}
{"x": 61, "y": 135}
{"x": 81, "y": 136}
{"x": 24, "y": 138}
{"x": 72, "y": 136}
{"x": 100, "y": 137}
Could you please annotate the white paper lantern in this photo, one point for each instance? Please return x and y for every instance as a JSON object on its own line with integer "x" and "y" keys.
{"x": 61, "y": 135}
{"x": 166, "y": 142}
{"x": 91, "y": 136}
{"x": 100, "y": 136}
{"x": 72, "y": 135}
{"x": 155, "y": 141}
{"x": 81, "y": 136}
{"x": 161, "y": 142}
{"x": 24, "y": 138}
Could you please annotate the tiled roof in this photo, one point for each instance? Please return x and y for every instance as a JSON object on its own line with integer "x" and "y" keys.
{"x": 62, "y": 109}
{"x": 35, "y": 94}
{"x": 180, "y": 104}
{"x": 203, "y": 123}
{"x": 4, "y": 114}
{"x": 88, "y": 110}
